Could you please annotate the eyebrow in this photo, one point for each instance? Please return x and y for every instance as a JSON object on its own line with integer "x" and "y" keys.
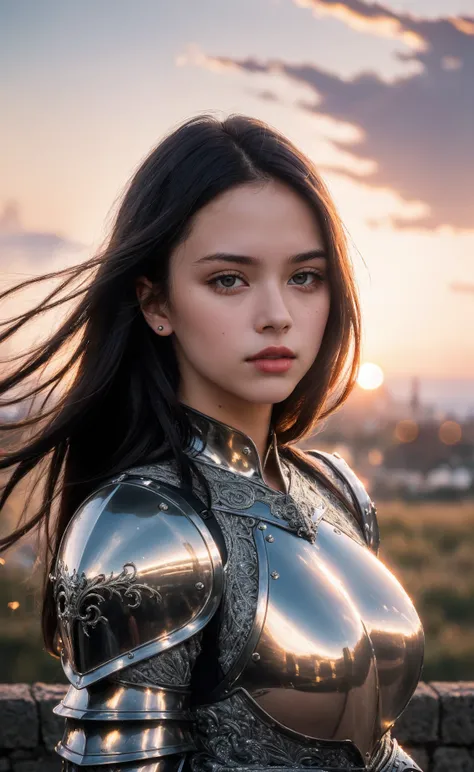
{"x": 227, "y": 257}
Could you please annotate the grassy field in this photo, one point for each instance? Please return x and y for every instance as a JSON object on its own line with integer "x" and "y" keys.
{"x": 429, "y": 547}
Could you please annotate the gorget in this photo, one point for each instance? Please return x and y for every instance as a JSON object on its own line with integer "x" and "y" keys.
{"x": 304, "y": 652}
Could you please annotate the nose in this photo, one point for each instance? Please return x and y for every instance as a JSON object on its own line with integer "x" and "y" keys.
{"x": 272, "y": 310}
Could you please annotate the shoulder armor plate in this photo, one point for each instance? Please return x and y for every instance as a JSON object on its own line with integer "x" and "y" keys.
{"x": 137, "y": 572}
{"x": 363, "y": 503}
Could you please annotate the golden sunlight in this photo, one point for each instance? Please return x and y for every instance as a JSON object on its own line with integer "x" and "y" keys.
{"x": 370, "y": 376}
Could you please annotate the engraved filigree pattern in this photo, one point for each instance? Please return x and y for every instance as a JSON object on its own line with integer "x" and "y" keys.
{"x": 168, "y": 668}
{"x": 302, "y": 488}
{"x": 241, "y": 587}
{"x": 342, "y": 485}
{"x": 165, "y": 471}
{"x": 78, "y": 598}
{"x": 229, "y": 734}
{"x": 232, "y": 492}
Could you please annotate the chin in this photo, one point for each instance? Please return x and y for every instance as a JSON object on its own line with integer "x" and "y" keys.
{"x": 267, "y": 393}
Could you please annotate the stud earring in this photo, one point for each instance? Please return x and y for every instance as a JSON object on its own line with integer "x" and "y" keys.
{"x": 160, "y": 327}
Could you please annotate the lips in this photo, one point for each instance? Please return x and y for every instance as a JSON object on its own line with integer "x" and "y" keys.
{"x": 274, "y": 352}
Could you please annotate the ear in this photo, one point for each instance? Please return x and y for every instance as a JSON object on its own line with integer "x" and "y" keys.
{"x": 153, "y": 308}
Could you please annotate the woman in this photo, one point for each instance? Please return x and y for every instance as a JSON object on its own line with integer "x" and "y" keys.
{"x": 214, "y": 591}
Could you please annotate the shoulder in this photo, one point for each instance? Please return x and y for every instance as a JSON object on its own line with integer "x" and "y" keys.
{"x": 137, "y": 572}
{"x": 351, "y": 486}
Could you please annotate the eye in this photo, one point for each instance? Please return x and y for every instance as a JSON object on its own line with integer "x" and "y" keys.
{"x": 318, "y": 279}
{"x": 226, "y": 286}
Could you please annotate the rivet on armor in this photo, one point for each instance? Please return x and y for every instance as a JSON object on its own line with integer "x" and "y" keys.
{"x": 199, "y": 586}
{"x": 130, "y": 655}
{"x": 255, "y": 656}
{"x": 246, "y": 450}
{"x": 270, "y": 538}
{"x": 262, "y": 527}
{"x": 164, "y": 506}
{"x": 275, "y": 575}
{"x": 336, "y": 530}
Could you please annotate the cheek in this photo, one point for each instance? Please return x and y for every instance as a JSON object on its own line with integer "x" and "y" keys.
{"x": 202, "y": 323}
{"x": 314, "y": 315}
{"x": 324, "y": 306}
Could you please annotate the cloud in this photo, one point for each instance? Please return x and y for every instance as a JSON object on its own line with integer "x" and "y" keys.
{"x": 418, "y": 130}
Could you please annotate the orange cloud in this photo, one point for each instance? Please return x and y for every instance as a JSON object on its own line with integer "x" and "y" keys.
{"x": 466, "y": 26}
{"x": 374, "y": 19}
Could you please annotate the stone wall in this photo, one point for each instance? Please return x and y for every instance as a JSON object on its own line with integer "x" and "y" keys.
{"x": 437, "y": 727}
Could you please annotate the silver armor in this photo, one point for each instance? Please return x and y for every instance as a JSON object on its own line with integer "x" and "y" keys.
{"x": 261, "y": 634}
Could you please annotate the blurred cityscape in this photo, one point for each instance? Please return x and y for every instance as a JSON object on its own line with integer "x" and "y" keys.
{"x": 403, "y": 448}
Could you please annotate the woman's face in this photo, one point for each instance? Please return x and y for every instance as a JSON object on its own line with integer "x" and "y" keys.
{"x": 222, "y": 311}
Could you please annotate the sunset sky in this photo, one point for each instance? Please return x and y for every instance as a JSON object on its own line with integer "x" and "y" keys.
{"x": 379, "y": 95}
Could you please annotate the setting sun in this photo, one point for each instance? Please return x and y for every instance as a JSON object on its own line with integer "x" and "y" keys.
{"x": 370, "y": 376}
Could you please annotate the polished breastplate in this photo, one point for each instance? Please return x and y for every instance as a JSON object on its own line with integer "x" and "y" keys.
{"x": 316, "y": 636}
{"x": 334, "y": 651}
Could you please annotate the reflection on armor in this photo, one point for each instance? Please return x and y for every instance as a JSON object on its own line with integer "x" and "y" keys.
{"x": 390, "y": 757}
{"x": 317, "y": 679}
{"x": 137, "y": 572}
{"x": 124, "y": 702}
{"x": 302, "y": 653}
{"x": 102, "y": 743}
{"x": 388, "y": 614}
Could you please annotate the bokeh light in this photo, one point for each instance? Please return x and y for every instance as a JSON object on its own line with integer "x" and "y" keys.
{"x": 450, "y": 432}
{"x": 406, "y": 430}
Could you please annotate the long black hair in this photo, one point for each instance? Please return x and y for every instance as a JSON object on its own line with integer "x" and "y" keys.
{"x": 110, "y": 401}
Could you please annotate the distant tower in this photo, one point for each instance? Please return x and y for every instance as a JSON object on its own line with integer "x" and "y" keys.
{"x": 415, "y": 401}
{"x": 10, "y": 218}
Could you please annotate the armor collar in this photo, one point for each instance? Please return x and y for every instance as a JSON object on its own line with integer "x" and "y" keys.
{"x": 223, "y": 445}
